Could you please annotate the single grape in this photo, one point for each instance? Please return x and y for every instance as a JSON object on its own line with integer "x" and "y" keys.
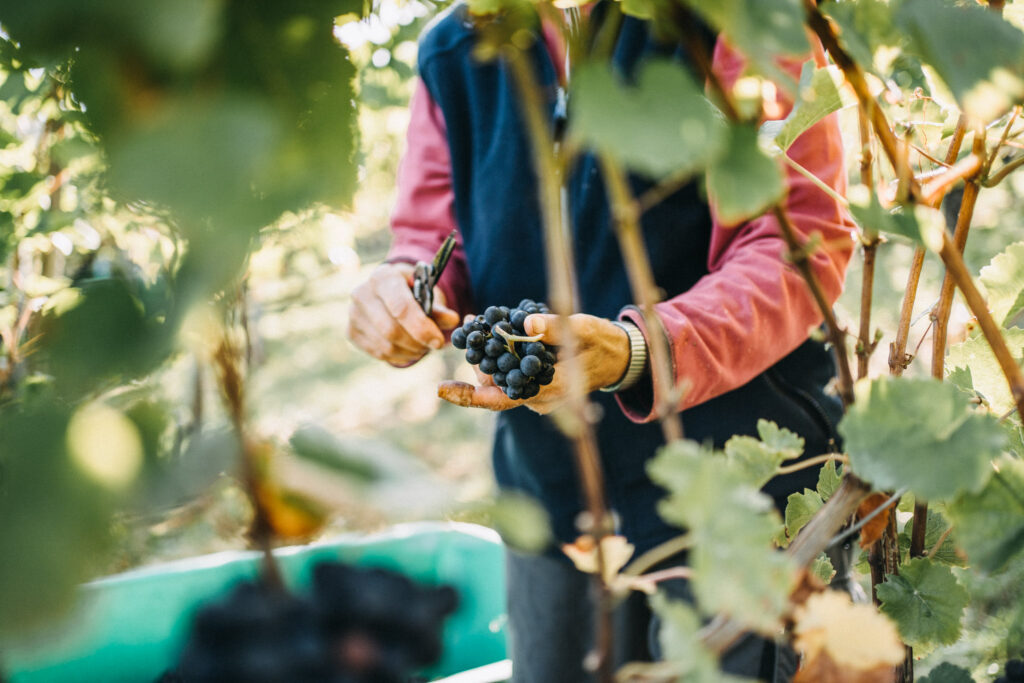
{"x": 518, "y": 318}
{"x": 507, "y": 362}
{"x": 524, "y": 303}
{"x": 545, "y": 376}
{"x": 514, "y": 393}
{"x": 476, "y": 340}
{"x": 530, "y": 365}
{"x": 499, "y": 378}
{"x": 515, "y": 378}
{"x": 535, "y": 349}
{"x": 530, "y": 390}
{"x": 459, "y": 338}
{"x": 493, "y": 315}
{"x": 494, "y": 347}
{"x": 488, "y": 365}
{"x": 474, "y": 356}
{"x": 505, "y": 326}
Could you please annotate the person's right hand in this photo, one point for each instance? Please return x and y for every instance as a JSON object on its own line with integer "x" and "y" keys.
{"x": 386, "y": 322}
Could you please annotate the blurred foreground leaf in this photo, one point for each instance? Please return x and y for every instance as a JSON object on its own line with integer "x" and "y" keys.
{"x": 714, "y": 499}
{"x": 744, "y": 181}
{"x": 1003, "y": 282}
{"x": 973, "y": 367}
{"x": 681, "y": 131}
{"x": 55, "y": 516}
{"x": 990, "y": 522}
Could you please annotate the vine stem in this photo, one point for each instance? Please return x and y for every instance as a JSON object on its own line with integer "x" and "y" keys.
{"x": 645, "y": 292}
{"x": 940, "y": 317}
{"x": 811, "y": 462}
{"x": 562, "y": 292}
{"x": 993, "y": 335}
{"x": 232, "y": 386}
{"x": 836, "y": 336}
{"x": 898, "y": 359}
{"x": 865, "y": 343}
{"x": 658, "y": 554}
{"x": 938, "y": 543}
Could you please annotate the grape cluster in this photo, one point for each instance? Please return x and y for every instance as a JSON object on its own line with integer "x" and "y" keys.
{"x": 496, "y": 342}
{"x": 1014, "y": 672}
{"x": 358, "y": 626}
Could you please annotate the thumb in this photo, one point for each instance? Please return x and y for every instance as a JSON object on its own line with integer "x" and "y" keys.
{"x": 546, "y": 324}
{"x": 446, "y": 318}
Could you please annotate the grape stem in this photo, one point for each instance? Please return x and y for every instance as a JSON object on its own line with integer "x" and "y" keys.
{"x": 510, "y": 338}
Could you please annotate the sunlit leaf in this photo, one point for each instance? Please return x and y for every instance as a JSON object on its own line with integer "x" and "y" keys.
{"x": 864, "y": 27}
{"x": 973, "y": 367}
{"x": 922, "y": 225}
{"x": 817, "y": 97}
{"x": 922, "y": 434}
{"x": 947, "y": 35}
{"x": 1003, "y": 283}
{"x": 925, "y": 601}
{"x": 681, "y": 132}
{"x": 990, "y": 523}
{"x": 744, "y": 181}
{"x": 616, "y": 552}
{"x": 834, "y": 635}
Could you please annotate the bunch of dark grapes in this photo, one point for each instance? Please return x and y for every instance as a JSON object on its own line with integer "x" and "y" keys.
{"x": 1014, "y": 672}
{"x": 359, "y": 626}
{"x": 496, "y": 342}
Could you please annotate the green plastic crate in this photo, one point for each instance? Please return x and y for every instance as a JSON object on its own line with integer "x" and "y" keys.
{"x": 130, "y": 627}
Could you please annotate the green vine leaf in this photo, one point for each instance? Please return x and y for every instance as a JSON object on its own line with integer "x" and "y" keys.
{"x": 818, "y": 96}
{"x": 744, "y": 181}
{"x": 922, "y": 434}
{"x": 990, "y": 523}
{"x": 923, "y": 226}
{"x": 925, "y": 601}
{"x": 973, "y": 367}
{"x": 762, "y": 30}
{"x": 714, "y": 499}
{"x": 822, "y": 568}
{"x": 1003, "y": 284}
{"x": 680, "y": 642}
{"x": 936, "y": 527}
{"x": 828, "y": 480}
{"x": 682, "y": 132}
{"x": 800, "y": 508}
{"x": 762, "y": 457}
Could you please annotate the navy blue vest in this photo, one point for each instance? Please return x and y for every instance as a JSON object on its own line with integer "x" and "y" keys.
{"x": 497, "y": 211}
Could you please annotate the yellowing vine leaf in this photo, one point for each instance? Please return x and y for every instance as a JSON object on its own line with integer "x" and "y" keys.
{"x": 843, "y": 642}
{"x": 873, "y": 530}
{"x": 583, "y": 553}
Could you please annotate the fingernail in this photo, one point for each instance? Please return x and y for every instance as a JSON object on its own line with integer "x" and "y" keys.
{"x": 537, "y": 324}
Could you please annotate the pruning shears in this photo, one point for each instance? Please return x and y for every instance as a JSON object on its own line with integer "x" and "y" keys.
{"x": 426, "y": 274}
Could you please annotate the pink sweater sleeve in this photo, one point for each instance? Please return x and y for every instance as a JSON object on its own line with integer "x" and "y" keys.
{"x": 424, "y": 209}
{"x": 753, "y": 308}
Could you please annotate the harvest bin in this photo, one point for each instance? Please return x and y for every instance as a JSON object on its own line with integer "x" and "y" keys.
{"x": 130, "y": 627}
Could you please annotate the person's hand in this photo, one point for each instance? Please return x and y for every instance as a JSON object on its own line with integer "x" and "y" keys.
{"x": 386, "y": 322}
{"x": 603, "y": 357}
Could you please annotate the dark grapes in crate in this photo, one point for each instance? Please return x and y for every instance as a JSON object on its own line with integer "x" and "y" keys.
{"x": 1014, "y": 672}
{"x": 497, "y": 342}
{"x": 358, "y": 626}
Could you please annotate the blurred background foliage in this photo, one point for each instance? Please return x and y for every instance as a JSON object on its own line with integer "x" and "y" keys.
{"x": 189, "y": 171}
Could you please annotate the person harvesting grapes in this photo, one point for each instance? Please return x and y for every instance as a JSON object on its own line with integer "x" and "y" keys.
{"x": 736, "y": 314}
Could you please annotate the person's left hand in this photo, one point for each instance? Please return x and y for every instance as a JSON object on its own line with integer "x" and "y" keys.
{"x": 603, "y": 350}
